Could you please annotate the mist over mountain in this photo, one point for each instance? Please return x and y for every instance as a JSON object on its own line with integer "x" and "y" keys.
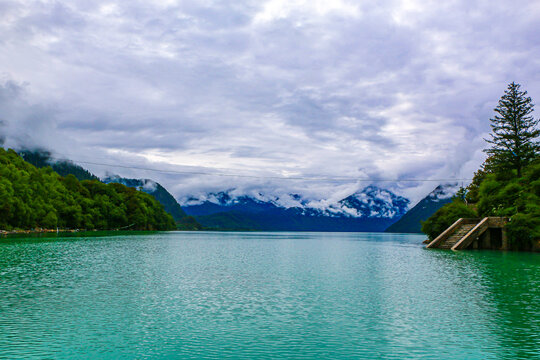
{"x": 156, "y": 190}
{"x": 372, "y": 202}
{"x": 372, "y": 209}
{"x": 411, "y": 222}
{"x": 42, "y": 158}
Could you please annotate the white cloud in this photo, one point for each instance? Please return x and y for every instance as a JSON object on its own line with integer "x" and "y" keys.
{"x": 274, "y": 10}
{"x": 373, "y": 89}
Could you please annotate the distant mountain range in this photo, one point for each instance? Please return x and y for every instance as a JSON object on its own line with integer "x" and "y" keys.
{"x": 411, "y": 221}
{"x": 372, "y": 209}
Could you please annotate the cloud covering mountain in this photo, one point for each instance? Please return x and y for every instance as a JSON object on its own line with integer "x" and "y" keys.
{"x": 366, "y": 90}
{"x": 370, "y": 202}
{"x": 411, "y": 222}
{"x": 372, "y": 209}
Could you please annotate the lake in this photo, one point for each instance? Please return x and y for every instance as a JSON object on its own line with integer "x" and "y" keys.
{"x": 256, "y": 295}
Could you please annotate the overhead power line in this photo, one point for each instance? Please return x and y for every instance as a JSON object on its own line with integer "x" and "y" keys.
{"x": 320, "y": 178}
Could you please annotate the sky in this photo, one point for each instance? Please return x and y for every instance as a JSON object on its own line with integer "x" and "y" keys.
{"x": 335, "y": 94}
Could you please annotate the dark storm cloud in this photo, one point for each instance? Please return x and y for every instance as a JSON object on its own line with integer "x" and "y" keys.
{"x": 391, "y": 89}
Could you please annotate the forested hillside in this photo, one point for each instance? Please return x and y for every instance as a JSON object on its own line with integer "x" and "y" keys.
{"x": 156, "y": 190}
{"x": 42, "y": 158}
{"x": 32, "y": 197}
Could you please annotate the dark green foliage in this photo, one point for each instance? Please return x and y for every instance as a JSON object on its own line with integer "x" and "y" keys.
{"x": 498, "y": 198}
{"x": 189, "y": 223}
{"x": 289, "y": 220}
{"x": 156, "y": 190}
{"x": 518, "y": 199}
{"x": 488, "y": 167}
{"x": 32, "y": 198}
{"x": 411, "y": 222}
{"x": 523, "y": 230}
{"x": 2, "y": 136}
{"x": 446, "y": 216}
{"x": 514, "y": 134}
{"x": 168, "y": 201}
{"x": 43, "y": 158}
{"x": 165, "y": 198}
{"x": 509, "y": 197}
{"x": 515, "y": 198}
{"x": 232, "y": 220}
{"x": 461, "y": 194}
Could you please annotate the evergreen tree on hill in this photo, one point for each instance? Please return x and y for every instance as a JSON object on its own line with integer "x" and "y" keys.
{"x": 514, "y": 137}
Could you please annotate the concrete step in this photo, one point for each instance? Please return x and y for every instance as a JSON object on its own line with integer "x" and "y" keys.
{"x": 457, "y": 236}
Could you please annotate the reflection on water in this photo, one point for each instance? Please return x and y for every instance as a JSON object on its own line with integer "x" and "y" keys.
{"x": 264, "y": 295}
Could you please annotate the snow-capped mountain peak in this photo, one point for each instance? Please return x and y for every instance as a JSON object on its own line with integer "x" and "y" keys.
{"x": 443, "y": 191}
{"x": 371, "y": 202}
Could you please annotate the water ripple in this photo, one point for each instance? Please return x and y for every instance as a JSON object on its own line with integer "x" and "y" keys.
{"x": 264, "y": 295}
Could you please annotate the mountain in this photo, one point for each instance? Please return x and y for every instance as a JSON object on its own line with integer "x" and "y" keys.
{"x": 373, "y": 202}
{"x": 224, "y": 201}
{"x": 32, "y": 198}
{"x": 372, "y": 209}
{"x": 156, "y": 190}
{"x": 411, "y": 221}
{"x": 43, "y": 158}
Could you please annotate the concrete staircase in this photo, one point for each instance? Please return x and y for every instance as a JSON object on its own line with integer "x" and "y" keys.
{"x": 471, "y": 233}
{"x": 459, "y": 233}
{"x": 454, "y": 235}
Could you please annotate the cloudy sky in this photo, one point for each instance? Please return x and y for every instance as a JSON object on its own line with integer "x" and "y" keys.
{"x": 315, "y": 89}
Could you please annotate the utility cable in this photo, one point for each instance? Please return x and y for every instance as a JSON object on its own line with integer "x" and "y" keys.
{"x": 339, "y": 178}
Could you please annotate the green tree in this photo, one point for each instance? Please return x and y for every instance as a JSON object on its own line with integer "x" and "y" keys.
{"x": 446, "y": 216}
{"x": 50, "y": 221}
{"x": 514, "y": 134}
{"x": 461, "y": 194}
{"x": 487, "y": 168}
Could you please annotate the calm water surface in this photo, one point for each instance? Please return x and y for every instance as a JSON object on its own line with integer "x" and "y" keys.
{"x": 264, "y": 295}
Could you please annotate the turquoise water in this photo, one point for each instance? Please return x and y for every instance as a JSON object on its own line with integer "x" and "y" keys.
{"x": 264, "y": 295}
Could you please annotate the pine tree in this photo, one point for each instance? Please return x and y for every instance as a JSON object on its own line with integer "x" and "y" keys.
{"x": 514, "y": 137}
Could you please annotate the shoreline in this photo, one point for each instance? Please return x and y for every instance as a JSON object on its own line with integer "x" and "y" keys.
{"x": 36, "y": 231}
{"x": 6, "y": 233}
